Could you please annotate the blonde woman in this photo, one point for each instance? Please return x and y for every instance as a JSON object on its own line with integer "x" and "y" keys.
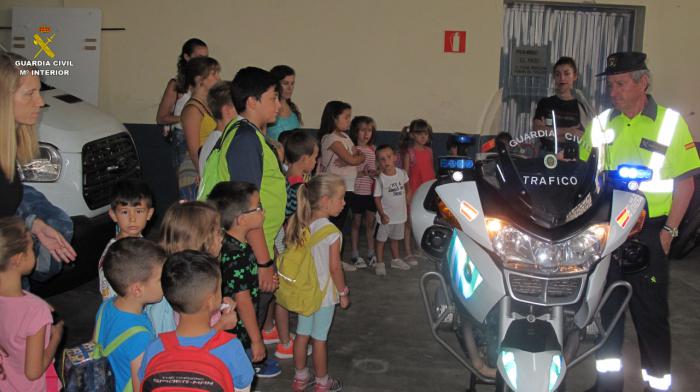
{"x": 20, "y": 105}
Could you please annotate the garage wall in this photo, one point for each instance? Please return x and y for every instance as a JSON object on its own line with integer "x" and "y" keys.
{"x": 382, "y": 56}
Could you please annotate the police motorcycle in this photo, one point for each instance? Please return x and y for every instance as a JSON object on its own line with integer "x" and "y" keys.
{"x": 523, "y": 234}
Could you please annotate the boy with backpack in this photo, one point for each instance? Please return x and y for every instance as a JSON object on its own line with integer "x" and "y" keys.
{"x": 238, "y": 204}
{"x": 132, "y": 267}
{"x": 244, "y": 154}
{"x": 195, "y": 354}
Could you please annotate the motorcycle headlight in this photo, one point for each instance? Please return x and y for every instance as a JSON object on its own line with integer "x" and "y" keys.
{"x": 520, "y": 251}
{"x": 44, "y": 168}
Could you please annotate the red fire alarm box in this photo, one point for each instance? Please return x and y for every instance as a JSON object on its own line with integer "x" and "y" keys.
{"x": 455, "y": 41}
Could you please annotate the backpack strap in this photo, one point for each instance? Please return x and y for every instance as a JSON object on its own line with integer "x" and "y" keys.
{"x": 114, "y": 344}
{"x": 123, "y": 337}
{"x": 169, "y": 340}
{"x": 219, "y": 339}
{"x": 322, "y": 233}
{"x": 317, "y": 237}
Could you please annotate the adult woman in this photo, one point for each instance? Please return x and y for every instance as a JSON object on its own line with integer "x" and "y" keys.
{"x": 289, "y": 116}
{"x": 571, "y": 111}
{"x": 20, "y": 105}
{"x": 201, "y": 74}
{"x": 174, "y": 98}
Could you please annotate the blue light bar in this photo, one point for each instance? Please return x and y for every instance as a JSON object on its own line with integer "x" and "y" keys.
{"x": 456, "y": 163}
{"x": 463, "y": 139}
{"x": 634, "y": 172}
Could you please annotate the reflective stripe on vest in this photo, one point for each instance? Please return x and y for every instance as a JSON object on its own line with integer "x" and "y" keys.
{"x": 668, "y": 128}
{"x": 608, "y": 365}
{"x": 598, "y": 129}
{"x": 658, "y": 383}
{"x": 598, "y": 135}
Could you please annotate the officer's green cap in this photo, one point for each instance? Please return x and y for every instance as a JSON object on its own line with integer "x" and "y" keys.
{"x": 623, "y": 62}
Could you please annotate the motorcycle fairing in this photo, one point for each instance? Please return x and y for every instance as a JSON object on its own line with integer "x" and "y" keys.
{"x": 626, "y": 207}
{"x": 421, "y": 218}
{"x": 594, "y": 292}
{"x": 462, "y": 198}
{"x": 533, "y": 371}
{"x": 490, "y": 289}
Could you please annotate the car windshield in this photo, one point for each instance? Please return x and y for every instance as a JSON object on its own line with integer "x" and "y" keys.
{"x": 530, "y": 152}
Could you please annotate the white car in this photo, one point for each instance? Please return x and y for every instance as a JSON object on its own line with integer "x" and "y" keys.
{"x": 83, "y": 152}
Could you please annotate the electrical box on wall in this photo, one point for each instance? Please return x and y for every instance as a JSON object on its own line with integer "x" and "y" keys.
{"x": 63, "y": 45}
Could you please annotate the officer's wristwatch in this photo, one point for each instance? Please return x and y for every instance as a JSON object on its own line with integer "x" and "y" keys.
{"x": 672, "y": 230}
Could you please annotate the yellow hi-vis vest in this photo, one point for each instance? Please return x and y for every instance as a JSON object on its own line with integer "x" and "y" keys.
{"x": 645, "y": 141}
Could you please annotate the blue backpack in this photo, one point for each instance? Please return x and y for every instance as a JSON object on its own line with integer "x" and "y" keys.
{"x": 85, "y": 368}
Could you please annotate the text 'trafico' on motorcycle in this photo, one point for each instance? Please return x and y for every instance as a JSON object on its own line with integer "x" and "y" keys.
{"x": 523, "y": 235}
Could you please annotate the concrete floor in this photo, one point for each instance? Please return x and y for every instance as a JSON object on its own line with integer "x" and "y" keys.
{"x": 382, "y": 342}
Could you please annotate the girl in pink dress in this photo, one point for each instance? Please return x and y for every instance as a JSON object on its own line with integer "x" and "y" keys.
{"x": 417, "y": 160}
{"x": 28, "y": 333}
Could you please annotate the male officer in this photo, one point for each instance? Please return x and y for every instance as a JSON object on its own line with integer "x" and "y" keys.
{"x": 639, "y": 131}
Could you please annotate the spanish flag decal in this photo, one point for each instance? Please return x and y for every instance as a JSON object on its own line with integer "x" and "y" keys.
{"x": 623, "y": 218}
{"x": 689, "y": 145}
{"x": 468, "y": 211}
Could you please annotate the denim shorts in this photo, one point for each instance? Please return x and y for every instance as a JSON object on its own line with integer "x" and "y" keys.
{"x": 318, "y": 324}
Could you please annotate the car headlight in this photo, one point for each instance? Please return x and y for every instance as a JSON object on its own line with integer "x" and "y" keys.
{"x": 520, "y": 251}
{"x": 44, "y": 168}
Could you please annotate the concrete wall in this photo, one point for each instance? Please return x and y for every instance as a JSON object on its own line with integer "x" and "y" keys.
{"x": 384, "y": 57}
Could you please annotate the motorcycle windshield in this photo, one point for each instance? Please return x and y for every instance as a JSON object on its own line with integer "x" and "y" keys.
{"x": 531, "y": 154}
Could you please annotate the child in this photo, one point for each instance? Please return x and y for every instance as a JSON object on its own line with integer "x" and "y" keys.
{"x": 417, "y": 159}
{"x": 452, "y": 146}
{"x": 201, "y": 73}
{"x": 239, "y": 206}
{"x": 339, "y": 155}
{"x": 28, "y": 333}
{"x": 192, "y": 284}
{"x": 319, "y": 199}
{"x": 131, "y": 209}
{"x": 245, "y": 155}
{"x": 362, "y": 130}
{"x": 192, "y": 225}
{"x": 221, "y": 105}
{"x": 391, "y": 196}
{"x": 133, "y": 267}
{"x": 301, "y": 151}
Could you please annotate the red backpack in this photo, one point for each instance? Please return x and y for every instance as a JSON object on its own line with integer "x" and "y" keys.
{"x": 187, "y": 368}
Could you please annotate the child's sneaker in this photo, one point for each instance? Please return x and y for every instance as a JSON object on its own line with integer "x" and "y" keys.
{"x": 349, "y": 267}
{"x": 285, "y": 351}
{"x": 267, "y": 369}
{"x": 399, "y": 264}
{"x": 271, "y": 336}
{"x": 379, "y": 269}
{"x": 300, "y": 385}
{"x": 333, "y": 385}
{"x": 371, "y": 261}
{"x": 411, "y": 260}
{"x": 359, "y": 262}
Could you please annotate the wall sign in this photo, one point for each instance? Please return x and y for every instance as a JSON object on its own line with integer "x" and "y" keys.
{"x": 455, "y": 41}
{"x": 529, "y": 61}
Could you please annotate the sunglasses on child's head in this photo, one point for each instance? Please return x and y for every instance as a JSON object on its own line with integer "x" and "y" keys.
{"x": 259, "y": 208}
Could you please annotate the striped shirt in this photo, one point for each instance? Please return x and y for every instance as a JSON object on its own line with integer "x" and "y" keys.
{"x": 363, "y": 184}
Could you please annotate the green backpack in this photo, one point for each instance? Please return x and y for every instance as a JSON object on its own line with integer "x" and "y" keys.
{"x": 216, "y": 168}
{"x": 299, "y": 290}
